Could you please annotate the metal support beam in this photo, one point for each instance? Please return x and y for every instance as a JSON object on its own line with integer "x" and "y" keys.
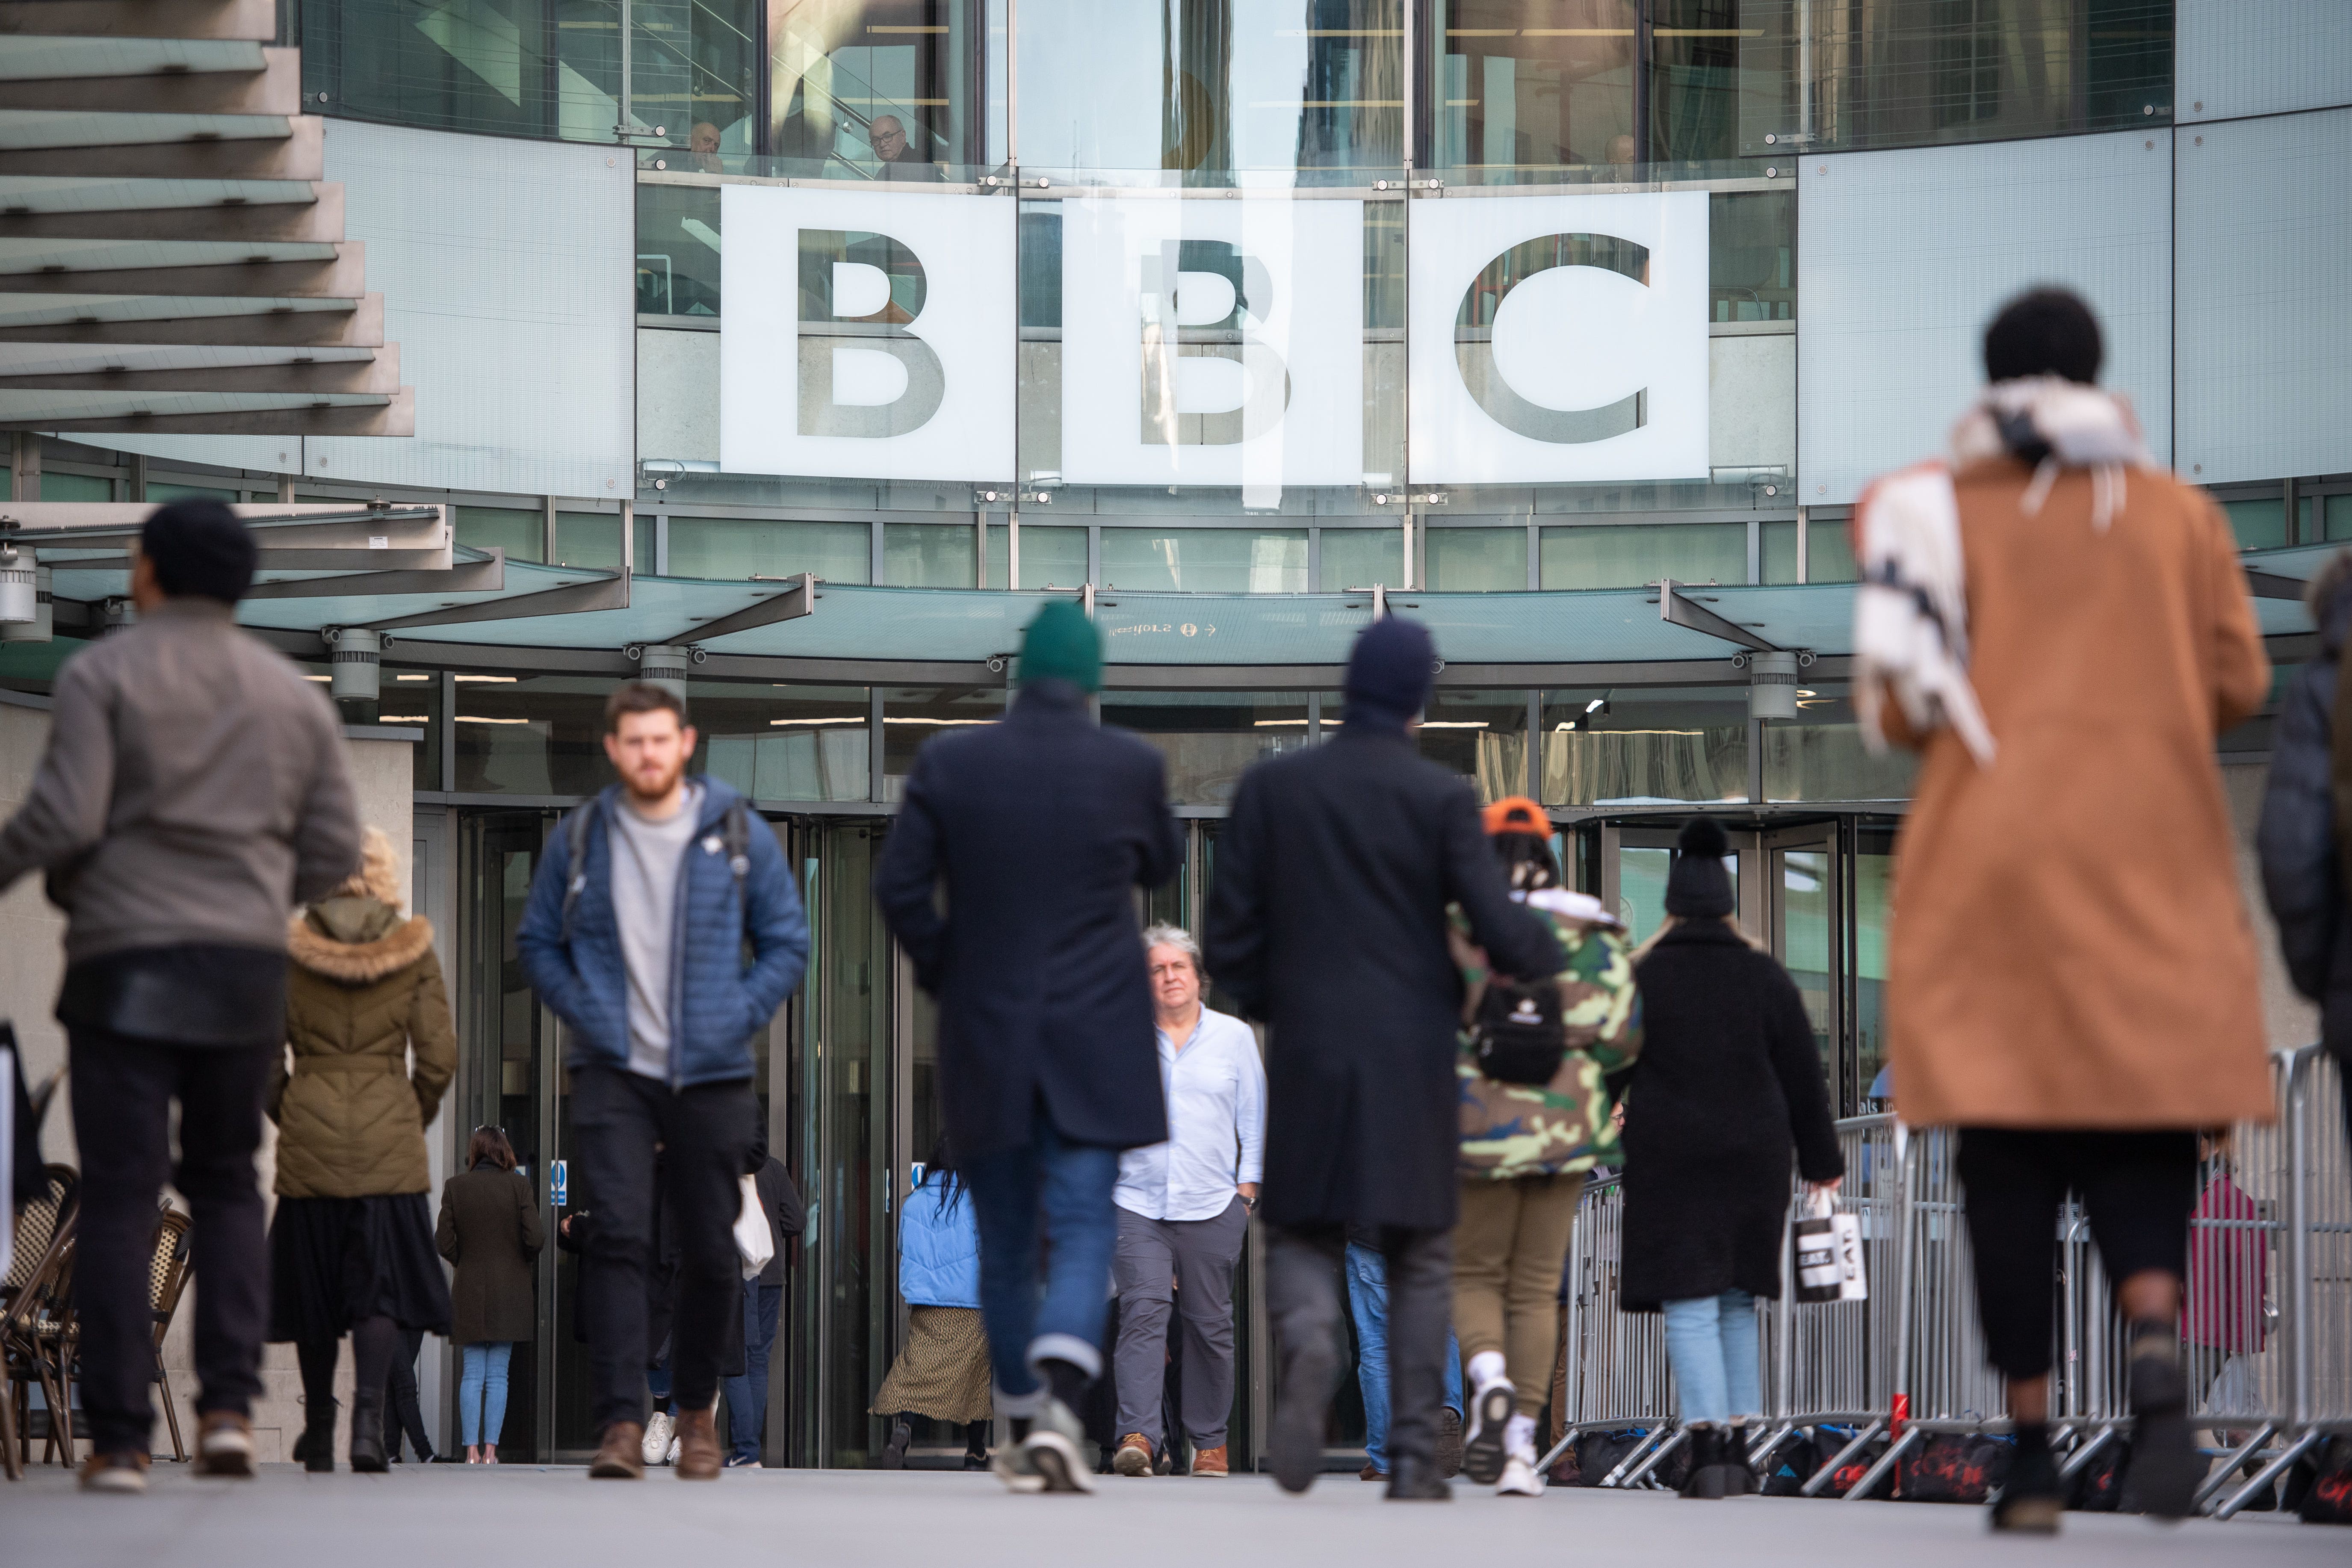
{"x": 1676, "y": 609}
{"x": 299, "y": 155}
{"x": 380, "y": 415}
{"x": 317, "y": 219}
{"x": 378, "y": 374}
{"x": 2271, "y": 585}
{"x": 791, "y": 601}
{"x": 604, "y": 594}
{"x": 342, "y": 276}
{"x": 276, "y": 89}
{"x": 356, "y": 323}
{"x": 465, "y": 577}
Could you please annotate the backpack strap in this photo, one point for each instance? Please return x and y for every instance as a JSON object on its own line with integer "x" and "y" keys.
{"x": 575, "y": 860}
{"x": 736, "y": 831}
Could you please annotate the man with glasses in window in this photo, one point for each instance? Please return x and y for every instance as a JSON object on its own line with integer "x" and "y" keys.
{"x": 899, "y": 160}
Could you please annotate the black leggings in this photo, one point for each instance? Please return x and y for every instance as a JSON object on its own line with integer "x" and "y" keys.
{"x": 2138, "y": 1189}
{"x": 375, "y": 1342}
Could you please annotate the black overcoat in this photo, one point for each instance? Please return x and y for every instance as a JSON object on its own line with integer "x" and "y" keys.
{"x": 1728, "y": 1081}
{"x": 1039, "y": 830}
{"x": 490, "y": 1229}
{"x": 1327, "y": 922}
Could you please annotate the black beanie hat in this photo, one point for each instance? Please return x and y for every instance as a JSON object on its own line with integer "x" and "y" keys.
{"x": 1698, "y": 888}
{"x": 199, "y": 547}
{"x": 1390, "y": 672}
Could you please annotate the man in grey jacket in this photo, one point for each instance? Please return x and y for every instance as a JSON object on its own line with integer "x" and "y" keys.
{"x": 193, "y": 794}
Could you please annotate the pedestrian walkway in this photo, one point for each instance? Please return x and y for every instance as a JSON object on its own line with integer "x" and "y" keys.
{"x": 819, "y": 1518}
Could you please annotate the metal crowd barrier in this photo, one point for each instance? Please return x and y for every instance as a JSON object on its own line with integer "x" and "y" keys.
{"x": 2266, "y": 1325}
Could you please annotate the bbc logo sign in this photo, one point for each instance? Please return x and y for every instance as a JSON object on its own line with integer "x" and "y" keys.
{"x": 1553, "y": 338}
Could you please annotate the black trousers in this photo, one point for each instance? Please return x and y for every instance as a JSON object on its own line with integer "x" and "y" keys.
{"x": 407, "y": 1415}
{"x": 2137, "y": 1190}
{"x": 123, "y": 1095}
{"x": 706, "y": 1135}
{"x": 1303, "y": 1296}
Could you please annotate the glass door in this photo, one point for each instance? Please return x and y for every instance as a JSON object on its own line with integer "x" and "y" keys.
{"x": 1806, "y": 891}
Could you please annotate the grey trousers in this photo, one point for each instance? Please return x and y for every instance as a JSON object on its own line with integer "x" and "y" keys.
{"x": 1303, "y": 1298}
{"x": 1198, "y": 1256}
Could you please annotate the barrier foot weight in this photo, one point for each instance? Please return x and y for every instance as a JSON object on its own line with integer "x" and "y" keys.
{"x": 2270, "y": 1473}
{"x": 1655, "y": 1445}
{"x": 1887, "y": 1463}
{"x": 1821, "y": 1478}
{"x": 2228, "y": 1466}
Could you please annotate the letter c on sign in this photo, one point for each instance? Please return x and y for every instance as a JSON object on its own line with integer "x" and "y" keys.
{"x": 1473, "y": 348}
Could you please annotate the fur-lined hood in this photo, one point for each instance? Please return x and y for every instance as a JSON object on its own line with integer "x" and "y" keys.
{"x": 326, "y": 939}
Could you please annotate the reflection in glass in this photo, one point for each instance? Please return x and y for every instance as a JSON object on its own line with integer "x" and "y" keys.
{"x": 912, "y": 715}
{"x": 1829, "y": 551}
{"x": 531, "y": 735}
{"x": 521, "y": 534}
{"x": 677, "y": 249}
{"x": 1639, "y": 553}
{"x": 1821, "y": 755}
{"x": 1211, "y": 90}
{"x": 1205, "y": 559}
{"x": 1050, "y": 557}
{"x": 513, "y": 68}
{"x": 1484, "y": 560}
{"x": 694, "y": 74}
{"x": 1208, "y": 739}
{"x": 1361, "y": 557}
{"x": 784, "y": 743}
{"x": 1482, "y": 735}
{"x": 1807, "y": 940}
{"x": 1874, "y": 904}
{"x": 1658, "y": 747}
{"x": 874, "y": 89}
{"x": 735, "y": 549}
{"x": 928, "y": 555}
{"x": 589, "y": 539}
{"x": 1532, "y": 83}
{"x": 412, "y": 699}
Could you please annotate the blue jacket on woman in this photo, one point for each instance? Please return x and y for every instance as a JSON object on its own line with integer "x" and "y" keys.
{"x": 717, "y": 1001}
{"x": 938, "y": 1245}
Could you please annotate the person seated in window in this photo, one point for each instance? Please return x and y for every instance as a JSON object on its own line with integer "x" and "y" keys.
{"x": 702, "y": 149}
{"x": 899, "y": 160}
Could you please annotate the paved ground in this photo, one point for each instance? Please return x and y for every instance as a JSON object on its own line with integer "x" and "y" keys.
{"x": 524, "y": 1517}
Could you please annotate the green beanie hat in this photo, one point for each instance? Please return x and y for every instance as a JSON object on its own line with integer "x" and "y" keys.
{"x": 1061, "y": 643}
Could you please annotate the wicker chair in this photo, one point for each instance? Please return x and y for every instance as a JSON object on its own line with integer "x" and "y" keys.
{"x": 167, "y": 1280}
{"x": 44, "y": 1239}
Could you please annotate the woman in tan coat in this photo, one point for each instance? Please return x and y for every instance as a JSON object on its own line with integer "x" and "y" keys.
{"x": 351, "y": 1246}
{"x": 2072, "y": 976}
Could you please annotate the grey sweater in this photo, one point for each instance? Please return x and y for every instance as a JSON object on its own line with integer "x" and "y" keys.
{"x": 193, "y": 791}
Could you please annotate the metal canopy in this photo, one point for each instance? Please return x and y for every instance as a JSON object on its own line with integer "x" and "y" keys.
{"x": 159, "y": 187}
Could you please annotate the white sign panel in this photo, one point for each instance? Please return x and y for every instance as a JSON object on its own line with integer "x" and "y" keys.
{"x": 865, "y": 335}
{"x": 1213, "y": 342}
{"x": 1558, "y": 339}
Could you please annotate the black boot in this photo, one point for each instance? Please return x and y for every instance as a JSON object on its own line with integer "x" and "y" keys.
{"x": 1705, "y": 1448}
{"x": 2030, "y": 1499}
{"x": 1739, "y": 1477}
{"x": 367, "y": 1432}
{"x": 316, "y": 1447}
{"x": 2166, "y": 1467}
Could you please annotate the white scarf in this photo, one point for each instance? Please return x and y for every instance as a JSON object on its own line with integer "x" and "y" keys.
{"x": 1910, "y": 614}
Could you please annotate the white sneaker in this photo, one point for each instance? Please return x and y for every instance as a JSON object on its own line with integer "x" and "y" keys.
{"x": 1013, "y": 1468}
{"x": 660, "y": 1446}
{"x": 1519, "y": 1479}
{"x": 671, "y": 1458}
{"x": 1052, "y": 1450}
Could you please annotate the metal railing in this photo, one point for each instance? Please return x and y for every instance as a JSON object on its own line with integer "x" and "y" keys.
{"x": 2266, "y": 1325}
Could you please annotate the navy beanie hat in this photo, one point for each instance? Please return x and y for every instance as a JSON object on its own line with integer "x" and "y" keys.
{"x": 199, "y": 548}
{"x": 1390, "y": 672}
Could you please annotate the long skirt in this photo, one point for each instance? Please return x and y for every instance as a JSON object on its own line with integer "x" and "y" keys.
{"x": 333, "y": 1261}
{"x": 942, "y": 1371}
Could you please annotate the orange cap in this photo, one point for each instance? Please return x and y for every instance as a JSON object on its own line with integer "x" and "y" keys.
{"x": 1516, "y": 813}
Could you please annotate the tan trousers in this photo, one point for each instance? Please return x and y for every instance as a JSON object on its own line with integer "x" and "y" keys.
{"x": 1509, "y": 1249}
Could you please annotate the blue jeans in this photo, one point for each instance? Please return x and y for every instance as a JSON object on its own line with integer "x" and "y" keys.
{"x": 747, "y": 1396}
{"x": 482, "y": 1391}
{"x": 1367, "y": 1301}
{"x": 1711, "y": 1341}
{"x": 1068, "y": 1186}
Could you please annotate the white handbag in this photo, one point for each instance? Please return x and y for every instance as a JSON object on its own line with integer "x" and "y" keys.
{"x": 1829, "y": 1255}
{"x": 753, "y": 1240}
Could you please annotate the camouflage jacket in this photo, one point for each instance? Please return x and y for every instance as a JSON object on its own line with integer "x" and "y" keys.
{"x": 1520, "y": 1129}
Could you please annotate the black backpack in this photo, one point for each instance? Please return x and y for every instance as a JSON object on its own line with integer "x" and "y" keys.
{"x": 1519, "y": 1036}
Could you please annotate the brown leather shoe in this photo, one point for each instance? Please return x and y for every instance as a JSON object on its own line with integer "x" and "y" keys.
{"x": 621, "y": 1456}
{"x": 1134, "y": 1455}
{"x": 700, "y": 1456}
{"x": 1210, "y": 1462}
{"x": 225, "y": 1445}
{"x": 124, "y": 1474}
{"x": 1372, "y": 1472}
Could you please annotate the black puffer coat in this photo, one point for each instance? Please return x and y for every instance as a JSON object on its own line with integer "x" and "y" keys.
{"x": 1728, "y": 1080}
{"x": 2303, "y": 870}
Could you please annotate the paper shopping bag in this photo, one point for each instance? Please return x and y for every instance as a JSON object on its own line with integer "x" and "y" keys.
{"x": 1829, "y": 1255}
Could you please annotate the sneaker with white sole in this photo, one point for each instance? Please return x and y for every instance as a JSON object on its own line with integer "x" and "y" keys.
{"x": 1012, "y": 1467}
{"x": 1519, "y": 1479}
{"x": 661, "y": 1444}
{"x": 1490, "y": 1416}
{"x": 122, "y": 1474}
{"x": 224, "y": 1445}
{"x": 1053, "y": 1453}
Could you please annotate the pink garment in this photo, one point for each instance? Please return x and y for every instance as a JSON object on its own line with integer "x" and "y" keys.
{"x": 2228, "y": 1266}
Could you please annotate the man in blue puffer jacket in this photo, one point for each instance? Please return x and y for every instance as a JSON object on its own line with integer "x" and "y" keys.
{"x": 640, "y": 951}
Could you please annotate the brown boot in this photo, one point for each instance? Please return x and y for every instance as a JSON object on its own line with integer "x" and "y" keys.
{"x": 1210, "y": 1462}
{"x": 700, "y": 1456}
{"x": 1134, "y": 1455}
{"x": 621, "y": 1456}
